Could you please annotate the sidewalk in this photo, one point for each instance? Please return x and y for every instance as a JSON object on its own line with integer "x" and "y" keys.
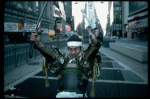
{"x": 141, "y": 68}
{"x": 17, "y": 73}
{"x": 133, "y": 41}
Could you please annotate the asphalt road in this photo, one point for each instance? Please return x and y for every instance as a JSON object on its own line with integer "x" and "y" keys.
{"x": 116, "y": 80}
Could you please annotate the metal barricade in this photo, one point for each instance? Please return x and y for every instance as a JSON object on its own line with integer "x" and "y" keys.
{"x": 19, "y": 54}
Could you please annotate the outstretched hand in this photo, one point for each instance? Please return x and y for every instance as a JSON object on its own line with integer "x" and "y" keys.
{"x": 94, "y": 36}
{"x": 36, "y": 37}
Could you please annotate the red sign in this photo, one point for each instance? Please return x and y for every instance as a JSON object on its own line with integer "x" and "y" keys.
{"x": 60, "y": 27}
{"x": 68, "y": 29}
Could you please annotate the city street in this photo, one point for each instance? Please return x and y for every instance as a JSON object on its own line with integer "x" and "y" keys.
{"x": 117, "y": 79}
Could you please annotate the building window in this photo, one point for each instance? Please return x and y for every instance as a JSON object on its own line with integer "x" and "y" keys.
{"x": 29, "y": 6}
{"x": 20, "y": 4}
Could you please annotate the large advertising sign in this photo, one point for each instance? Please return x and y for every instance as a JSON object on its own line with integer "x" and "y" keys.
{"x": 68, "y": 28}
{"x": 57, "y": 12}
{"x": 10, "y": 27}
{"x": 20, "y": 27}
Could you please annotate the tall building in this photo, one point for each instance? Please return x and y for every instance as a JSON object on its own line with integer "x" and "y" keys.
{"x": 115, "y": 18}
{"x": 125, "y": 12}
{"x": 20, "y": 18}
{"x": 68, "y": 12}
{"x": 110, "y": 18}
{"x": 130, "y": 16}
{"x": 138, "y": 20}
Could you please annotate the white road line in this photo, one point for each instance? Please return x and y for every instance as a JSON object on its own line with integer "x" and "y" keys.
{"x": 8, "y": 96}
{"x": 90, "y": 80}
{"x": 118, "y": 81}
{"x": 43, "y": 77}
{"x": 127, "y": 68}
{"x": 21, "y": 79}
{"x": 106, "y": 68}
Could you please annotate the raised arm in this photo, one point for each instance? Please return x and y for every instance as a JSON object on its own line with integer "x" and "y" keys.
{"x": 92, "y": 50}
{"x": 47, "y": 52}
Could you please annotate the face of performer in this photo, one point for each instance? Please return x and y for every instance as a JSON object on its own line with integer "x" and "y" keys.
{"x": 74, "y": 51}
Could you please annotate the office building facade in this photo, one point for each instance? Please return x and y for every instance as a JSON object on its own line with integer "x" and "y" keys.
{"x": 114, "y": 18}
{"x": 138, "y": 20}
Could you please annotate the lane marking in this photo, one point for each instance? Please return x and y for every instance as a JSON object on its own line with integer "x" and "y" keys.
{"x": 21, "y": 79}
{"x": 90, "y": 80}
{"x": 127, "y": 68}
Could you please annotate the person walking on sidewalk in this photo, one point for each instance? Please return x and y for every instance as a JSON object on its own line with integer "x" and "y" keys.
{"x": 74, "y": 69}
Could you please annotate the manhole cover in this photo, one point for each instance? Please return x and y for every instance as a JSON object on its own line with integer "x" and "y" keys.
{"x": 34, "y": 63}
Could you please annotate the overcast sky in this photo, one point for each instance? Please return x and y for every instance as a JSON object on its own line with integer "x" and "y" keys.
{"x": 101, "y": 9}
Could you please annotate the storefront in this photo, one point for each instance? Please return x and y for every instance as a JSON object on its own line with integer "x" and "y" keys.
{"x": 138, "y": 20}
{"x": 61, "y": 27}
{"x": 138, "y": 27}
{"x": 20, "y": 32}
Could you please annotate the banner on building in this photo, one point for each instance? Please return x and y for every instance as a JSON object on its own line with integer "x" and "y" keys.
{"x": 20, "y": 27}
{"x": 28, "y": 27}
{"x": 10, "y": 27}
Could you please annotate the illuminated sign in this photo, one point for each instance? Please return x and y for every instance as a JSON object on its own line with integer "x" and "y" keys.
{"x": 59, "y": 25}
{"x": 68, "y": 28}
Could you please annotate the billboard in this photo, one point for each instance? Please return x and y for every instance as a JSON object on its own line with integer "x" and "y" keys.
{"x": 57, "y": 12}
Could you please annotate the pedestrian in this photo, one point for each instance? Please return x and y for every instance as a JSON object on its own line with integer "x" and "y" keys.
{"x": 74, "y": 69}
